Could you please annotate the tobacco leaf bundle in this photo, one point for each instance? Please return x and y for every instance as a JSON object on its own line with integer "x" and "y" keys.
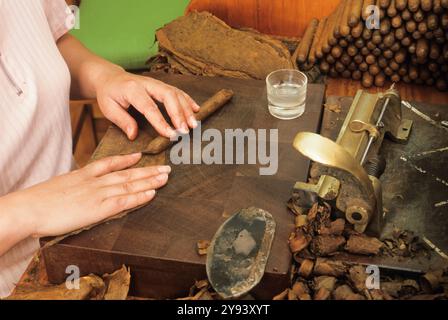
{"x": 202, "y": 44}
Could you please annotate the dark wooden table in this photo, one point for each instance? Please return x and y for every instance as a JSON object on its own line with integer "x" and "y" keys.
{"x": 158, "y": 242}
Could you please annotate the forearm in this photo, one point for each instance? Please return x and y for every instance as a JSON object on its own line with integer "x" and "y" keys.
{"x": 87, "y": 69}
{"x": 15, "y": 224}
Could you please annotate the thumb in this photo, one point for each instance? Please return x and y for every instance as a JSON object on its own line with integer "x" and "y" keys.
{"x": 120, "y": 117}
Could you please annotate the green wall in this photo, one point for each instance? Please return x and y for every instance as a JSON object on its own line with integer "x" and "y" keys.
{"x": 123, "y": 31}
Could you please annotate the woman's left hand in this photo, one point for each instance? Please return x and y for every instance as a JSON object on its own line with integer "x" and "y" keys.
{"x": 120, "y": 89}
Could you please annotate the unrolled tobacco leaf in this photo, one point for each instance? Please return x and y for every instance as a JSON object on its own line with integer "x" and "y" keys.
{"x": 117, "y": 284}
{"x": 202, "y": 247}
{"x": 361, "y": 244}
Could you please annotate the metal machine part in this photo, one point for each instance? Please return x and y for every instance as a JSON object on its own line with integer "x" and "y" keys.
{"x": 351, "y": 167}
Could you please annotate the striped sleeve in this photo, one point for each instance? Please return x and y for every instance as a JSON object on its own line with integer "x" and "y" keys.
{"x": 59, "y": 16}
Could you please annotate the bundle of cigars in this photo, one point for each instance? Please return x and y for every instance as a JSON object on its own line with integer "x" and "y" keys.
{"x": 409, "y": 44}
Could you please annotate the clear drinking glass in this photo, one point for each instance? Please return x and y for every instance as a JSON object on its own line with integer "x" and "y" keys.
{"x": 287, "y": 93}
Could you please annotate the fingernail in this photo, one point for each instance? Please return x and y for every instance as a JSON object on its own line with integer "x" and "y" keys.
{"x": 184, "y": 128}
{"x": 193, "y": 122}
{"x": 129, "y": 131}
{"x": 150, "y": 193}
{"x": 171, "y": 132}
{"x": 165, "y": 169}
{"x": 162, "y": 177}
{"x": 136, "y": 155}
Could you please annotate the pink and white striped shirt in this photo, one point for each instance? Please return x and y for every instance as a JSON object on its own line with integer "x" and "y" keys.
{"x": 35, "y": 133}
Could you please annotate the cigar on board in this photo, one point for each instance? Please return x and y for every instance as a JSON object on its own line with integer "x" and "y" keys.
{"x": 209, "y": 107}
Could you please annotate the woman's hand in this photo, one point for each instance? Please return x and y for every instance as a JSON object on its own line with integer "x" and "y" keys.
{"x": 120, "y": 89}
{"x": 78, "y": 199}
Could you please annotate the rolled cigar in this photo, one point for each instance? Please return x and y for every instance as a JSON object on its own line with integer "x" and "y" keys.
{"x": 396, "y": 47}
{"x": 367, "y": 80}
{"x": 338, "y": 21}
{"x": 422, "y": 50}
{"x": 346, "y": 74}
{"x": 402, "y": 71}
{"x": 406, "y": 79}
{"x": 445, "y": 52}
{"x": 384, "y": 4}
{"x": 358, "y": 59}
{"x": 444, "y": 21}
{"x": 413, "y": 5}
{"x": 324, "y": 67}
{"x": 411, "y": 26}
{"x": 389, "y": 40}
{"x": 355, "y": 13}
{"x": 400, "y": 33}
{"x": 371, "y": 46}
{"x": 406, "y": 15}
{"x": 374, "y": 69}
{"x": 356, "y": 75}
{"x": 382, "y": 10}
{"x": 377, "y": 52}
{"x": 392, "y": 10}
{"x": 430, "y": 82}
{"x": 406, "y": 41}
{"x": 429, "y": 35}
{"x": 343, "y": 43}
{"x": 376, "y": 37}
{"x": 388, "y": 71}
{"x": 333, "y": 73}
{"x": 370, "y": 59}
{"x": 416, "y": 35}
{"x": 426, "y": 5}
{"x": 444, "y": 3}
{"x": 352, "y": 50}
{"x": 397, "y": 22}
{"x": 433, "y": 67}
{"x": 363, "y": 67}
{"x": 344, "y": 27}
{"x": 412, "y": 48}
{"x": 419, "y": 16}
{"x": 438, "y": 33}
{"x": 382, "y": 62}
{"x": 422, "y": 27}
{"x": 357, "y": 30}
{"x": 336, "y": 52}
{"x": 434, "y": 51}
{"x": 401, "y": 4}
{"x": 393, "y": 65}
{"x": 433, "y": 21}
{"x": 424, "y": 74}
{"x": 385, "y": 26}
{"x": 395, "y": 78}
{"x": 388, "y": 54}
{"x": 316, "y": 49}
{"x": 325, "y": 41}
{"x": 413, "y": 72}
{"x": 330, "y": 59}
{"x": 437, "y": 6}
{"x": 352, "y": 66}
{"x": 365, "y": 51}
{"x": 359, "y": 43}
{"x": 304, "y": 47}
{"x": 345, "y": 59}
{"x": 380, "y": 79}
{"x": 332, "y": 26}
{"x": 209, "y": 107}
{"x": 339, "y": 67}
{"x": 400, "y": 56}
{"x": 367, "y": 34}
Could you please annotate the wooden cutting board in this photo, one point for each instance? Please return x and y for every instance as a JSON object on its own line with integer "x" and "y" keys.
{"x": 158, "y": 242}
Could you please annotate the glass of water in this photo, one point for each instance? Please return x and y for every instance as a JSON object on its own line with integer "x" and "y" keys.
{"x": 287, "y": 93}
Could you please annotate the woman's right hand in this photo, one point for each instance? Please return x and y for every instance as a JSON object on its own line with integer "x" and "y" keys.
{"x": 78, "y": 199}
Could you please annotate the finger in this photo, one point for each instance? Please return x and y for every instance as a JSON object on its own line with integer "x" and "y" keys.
{"x": 192, "y": 103}
{"x": 115, "y": 205}
{"x": 107, "y": 165}
{"x": 132, "y": 175}
{"x": 174, "y": 109}
{"x": 115, "y": 113}
{"x": 136, "y": 186}
{"x": 139, "y": 98}
{"x": 188, "y": 111}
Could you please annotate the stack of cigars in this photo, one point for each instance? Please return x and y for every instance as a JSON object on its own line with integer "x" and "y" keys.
{"x": 411, "y": 44}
